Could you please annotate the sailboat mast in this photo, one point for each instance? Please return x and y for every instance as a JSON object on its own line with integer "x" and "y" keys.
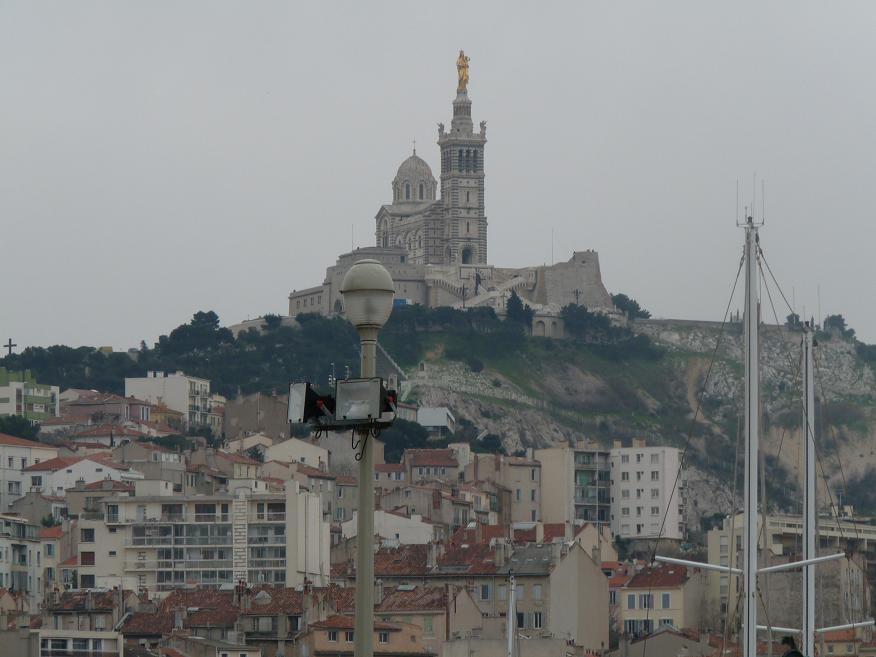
{"x": 752, "y": 438}
{"x": 809, "y": 515}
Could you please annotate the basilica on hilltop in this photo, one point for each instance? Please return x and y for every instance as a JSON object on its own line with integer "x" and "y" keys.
{"x": 432, "y": 237}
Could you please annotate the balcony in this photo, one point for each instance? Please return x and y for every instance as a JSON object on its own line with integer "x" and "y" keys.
{"x": 269, "y": 516}
{"x": 179, "y": 564}
{"x": 254, "y": 564}
{"x": 211, "y": 517}
{"x": 178, "y": 541}
{"x": 78, "y": 653}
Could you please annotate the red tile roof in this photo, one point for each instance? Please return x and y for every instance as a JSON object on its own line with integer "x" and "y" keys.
{"x": 551, "y": 531}
{"x": 314, "y": 473}
{"x": 61, "y": 462}
{"x": 421, "y": 598}
{"x": 344, "y": 480}
{"x": 664, "y": 576}
{"x": 109, "y": 484}
{"x": 846, "y": 636}
{"x": 52, "y": 532}
{"x": 237, "y": 458}
{"x": 406, "y": 560}
{"x": 431, "y": 457}
{"x": 102, "y": 430}
{"x": 389, "y": 467}
{"x": 338, "y": 622}
{"x": 6, "y": 439}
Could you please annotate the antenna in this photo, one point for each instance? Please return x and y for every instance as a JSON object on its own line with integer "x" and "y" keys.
{"x": 820, "y": 316}
{"x": 763, "y": 200}
{"x": 352, "y": 236}
{"x": 737, "y": 201}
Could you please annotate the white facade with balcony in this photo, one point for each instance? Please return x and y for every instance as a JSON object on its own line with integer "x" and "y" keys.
{"x": 15, "y": 455}
{"x": 21, "y": 561}
{"x": 165, "y": 542}
{"x": 188, "y": 395}
{"x": 646, "y": 501}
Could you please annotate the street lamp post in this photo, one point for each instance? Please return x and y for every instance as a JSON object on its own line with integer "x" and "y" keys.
{"x": 368, "y": 292}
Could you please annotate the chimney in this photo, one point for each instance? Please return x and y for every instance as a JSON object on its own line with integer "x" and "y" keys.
{"x": 378, "y": 591}
{"x": 179, "y": 616}
{"x": 539, "y": 532}
{"x": 431, "y": 555}
{"x": 499, "y": 554}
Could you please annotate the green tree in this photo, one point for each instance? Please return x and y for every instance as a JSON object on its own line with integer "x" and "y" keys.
{"x": 403, "y": 435}
{"x": 792, "y": 321}
{"x": 17, "y": 425}
{"x": 489, "y": 444}
{"x": 518, "y": 312}
{"x": 255, "y": 454}
{"x": 838, "y": 323}
{"x": 629, "y": 307}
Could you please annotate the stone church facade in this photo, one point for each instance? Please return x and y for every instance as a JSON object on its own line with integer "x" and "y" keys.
{"x": 432, "y": 237}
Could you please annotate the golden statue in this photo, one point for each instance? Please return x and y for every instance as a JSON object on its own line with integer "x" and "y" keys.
{"x": 462, "y": 71}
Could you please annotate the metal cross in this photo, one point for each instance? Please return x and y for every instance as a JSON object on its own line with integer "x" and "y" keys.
{"x": 415, "y": 146}
{"x": 9, "y": 344}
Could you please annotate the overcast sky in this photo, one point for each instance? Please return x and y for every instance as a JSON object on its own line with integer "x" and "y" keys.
{"x": 159, "y": 158}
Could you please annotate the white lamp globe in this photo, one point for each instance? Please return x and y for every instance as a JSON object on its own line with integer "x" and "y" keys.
{"x": 368, "y": 292}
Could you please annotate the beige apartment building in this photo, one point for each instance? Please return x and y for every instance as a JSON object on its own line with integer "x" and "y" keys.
{"x": 662, "y": 596}
{"x": 160, "y": 542}
{"x": 521, "y": 475}
{"x": 580, "y": 483}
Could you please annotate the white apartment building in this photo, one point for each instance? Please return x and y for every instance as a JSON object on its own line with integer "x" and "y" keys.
{"x": 644, "y": 490}
{"x": 21, "y": 557}
{"x": 55, "y": 476}
{"x": 15, "y": 455}
{"x": 185, "y": 394}
{"x": 163, "y": 542}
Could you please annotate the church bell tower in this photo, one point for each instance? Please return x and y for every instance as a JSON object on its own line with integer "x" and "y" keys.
{"x": 462, "y": 180}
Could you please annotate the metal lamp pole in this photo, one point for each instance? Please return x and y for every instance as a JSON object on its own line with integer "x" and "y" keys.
{"x": 368, "y": 291}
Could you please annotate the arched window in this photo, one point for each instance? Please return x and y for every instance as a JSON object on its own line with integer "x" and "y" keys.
{"x": 474, "y": 160}
{"x": 422, "y": 191}
{"x": 467, "y": 226}
{"x": 407, "y": 191}
{"x": 420, "y": 242}
{"x": 461, "y": 160}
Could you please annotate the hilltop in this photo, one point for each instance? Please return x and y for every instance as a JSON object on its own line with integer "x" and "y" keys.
{"x": 607, "y": 384}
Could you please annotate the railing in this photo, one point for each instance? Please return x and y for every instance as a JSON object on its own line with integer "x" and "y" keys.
{"x": 266, "y": 540}
{"x": 178, "y": 564}
{"x": 266, "y": 563}
{"x": 77, "y": 653}
{"x": 211, "y": 517}
{"x": 146, "y": 541}
{"x": 269, "y": 516}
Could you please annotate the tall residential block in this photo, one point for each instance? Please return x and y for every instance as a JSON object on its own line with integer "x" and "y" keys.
{"x": 579, "y": 488}
{"x": 647, "y": 492}
{"x": 188, "y": 395}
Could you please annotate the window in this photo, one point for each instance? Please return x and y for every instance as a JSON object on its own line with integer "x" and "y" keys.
{"x": 383, "y": 637}
{"x": 36, "y": 480}
{"x": 87, "y": 558}
{"x": 521, "y": 619}
{"x": 518, "y": 494}
{"x": 87, "y": 582}
{"x": 407, "y": 191}
{"x": 422, "y": 191}
{"x": 655, "y": 459}
{"x": 340, "y": 492}
{"x": 50, "y": 549}
{"x": 332, "y": 635}
{"x": 655, "y": 475}
{"x": 532, "y": 474}
{"x": 86, "y": 535}
{"x": 666, "y": 600}
{"x": 348, "y": 636}
{"x": 428, "y": 630}
{"x": 612, "y": 597}
{"x": 646, "y": 601}
{"x": 485, "y": 591}
{"x": 80, "y": 644}
{"x": 665, "y": 622}
{"x": 536, "y": 591}
{"x": 532, "y": 495}
{"x": 631, "y": 601}
{"x": 639, "y": 476}
{"x": 625, "y": 476}
{"x": 112, "y": 553}
{"x": 537, "y": 620}
{"x": 625, "y": 458}
{"x": 638, "y": 458}
{"x": 625, "y": 494}
{"x": 655, "y": 492}
{"x": 625, "y": 511}
{"x": 23, "y": 463}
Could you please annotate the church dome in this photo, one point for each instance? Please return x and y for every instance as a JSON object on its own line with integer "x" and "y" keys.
{"x": 414, "y": 181}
